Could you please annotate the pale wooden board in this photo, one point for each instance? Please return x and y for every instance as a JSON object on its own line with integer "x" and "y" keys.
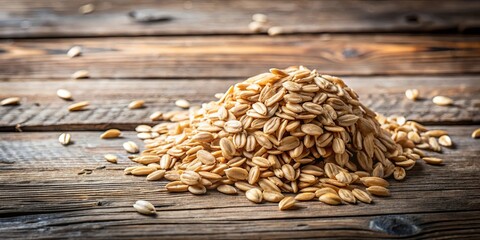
{"x": 240, "y": 56}
{"x": 46, "y": 198}
{"x": 31, "y": 18}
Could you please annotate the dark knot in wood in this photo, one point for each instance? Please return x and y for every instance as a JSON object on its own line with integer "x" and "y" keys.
{"x": 395, "y": 225}
{"x": 412, "y": 19}
{"x": 149, "y": 16}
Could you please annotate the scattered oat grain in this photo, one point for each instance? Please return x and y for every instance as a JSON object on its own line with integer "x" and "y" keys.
{"x": 412, "y": 94}
{"x": 476, "y": 133}
{"x": 254, "y": 195}
{"x": 306, "y": 196}
{"x": 379, "y": 191}
{"x": 330, "y": 198}
{"x": 362, "y": 196}
{"x": 10, "y": 101}
{"x": 255, "y": 27}
{"x": 433, "y": 160}
{"x": 80, "y": 74}
{"x": 86, "y": 9}
{"x": 442, "y": 100}
{"x": 227, "y": 189}
{"x": 75, "y": 51}
{"x": 79, "y": 106}
{"x": 274, "y": 31}
{"x": 445, "y": 141}
{"x": 156, "y": 116}
{"x": 144, "y": 207}
{"x": 110, "y": 158}
{"x": 64, "y": 138}
{"x": 130, "y": 147}
{"x": 64, "y": 94}
{"x": 286, "y": 203}
{"x": 182, "y": 103}
{"x": 136, "y": 104}
{"x": 111, "y": 133}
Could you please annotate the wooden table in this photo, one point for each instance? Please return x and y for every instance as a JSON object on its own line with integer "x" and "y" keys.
{"x": 191, "y": 50}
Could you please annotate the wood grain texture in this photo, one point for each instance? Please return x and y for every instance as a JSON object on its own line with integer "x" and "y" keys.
{"x": 43, "y": 110}
{"x": 200, "y": 48}
{"x": 240, "y": 56}
{"x": 31, "y": 18}
{"x": 47, "y": 199}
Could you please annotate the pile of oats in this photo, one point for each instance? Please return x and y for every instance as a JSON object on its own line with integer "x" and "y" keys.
{"x": 285, "y": 132}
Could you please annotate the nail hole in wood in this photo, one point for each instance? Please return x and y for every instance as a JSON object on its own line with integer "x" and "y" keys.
{"x": 302, "y": 226}
{"x": 412, "y": 19}
{"x": 149, "y": 16}
{"x": 101, "y": 203}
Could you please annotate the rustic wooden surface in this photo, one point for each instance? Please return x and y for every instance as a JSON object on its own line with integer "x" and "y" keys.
{"x": 381, "y": 48}
{"x": 43, "y": 110}
{"x": 240, "y": 56}
{"x": 32, "y": 18}
{"x": 47, "y": 197}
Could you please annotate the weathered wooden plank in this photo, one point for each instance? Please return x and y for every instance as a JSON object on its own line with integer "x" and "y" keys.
{"x": 41, "y": 150}
{"x": 240, "y": 56}
{"x": 46, "y": 198}
{"x": 43, "y": 110}
{"x": 122, "y": 223}
{"x": 30, "y": 18}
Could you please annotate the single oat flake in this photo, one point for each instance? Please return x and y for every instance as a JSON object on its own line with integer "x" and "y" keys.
{"x": 144, "y": 207}
{"x": 10, "y": 101}
{"x": 75, "y": 51}
{"x": 64, "y": 94}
